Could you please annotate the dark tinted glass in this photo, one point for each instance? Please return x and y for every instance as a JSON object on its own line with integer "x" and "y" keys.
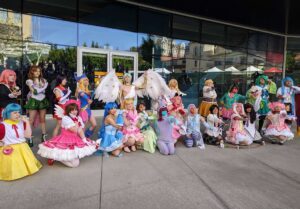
{"x": 11, "y": 4}
{"x": 186, "y": 28}
{"x": 213, "y": 33}
{"x": 236, "y": 37}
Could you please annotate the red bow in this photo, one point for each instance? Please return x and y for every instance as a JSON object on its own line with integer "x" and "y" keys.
{"x": 15, "y": 127}
{"x": 76, "y": 120}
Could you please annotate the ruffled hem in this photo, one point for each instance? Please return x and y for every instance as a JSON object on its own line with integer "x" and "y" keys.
{"x": 33, "y": 104}
{"x": 113, "y": 146}
{"x": 274, "y": 132}
{"x": 66, "y": 154}
{"x": 138, "y": 137}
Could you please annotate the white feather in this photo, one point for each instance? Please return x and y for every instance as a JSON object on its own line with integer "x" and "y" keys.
{"x": 109, "y": 87}
{"x": 59, "y": 112}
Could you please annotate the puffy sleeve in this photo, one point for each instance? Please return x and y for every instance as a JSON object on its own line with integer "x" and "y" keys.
{"x": 67, "y": 122}
{"x": 29, "y": 82}
{"x": 81, "y": 122}
{"x": 2, "y": 131}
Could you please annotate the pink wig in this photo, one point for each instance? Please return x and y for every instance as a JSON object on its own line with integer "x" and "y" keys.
{"x": 4, "y": 77}
{"x": 276, "y": 104}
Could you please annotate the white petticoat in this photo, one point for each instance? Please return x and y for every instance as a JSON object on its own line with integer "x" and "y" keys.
{"x": 274, "y": 132}
{"x": 66, "y": 154}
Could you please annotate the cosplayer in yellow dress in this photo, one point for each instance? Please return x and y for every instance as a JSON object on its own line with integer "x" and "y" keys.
{"x": 16, "y": 158}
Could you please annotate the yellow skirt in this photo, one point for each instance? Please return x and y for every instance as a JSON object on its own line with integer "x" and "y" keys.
{"x": 20, "y": 163}
{"x": 204, "y": 108}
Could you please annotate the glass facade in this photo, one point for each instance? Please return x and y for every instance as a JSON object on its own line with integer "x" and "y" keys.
{"x": 187, "y": 48}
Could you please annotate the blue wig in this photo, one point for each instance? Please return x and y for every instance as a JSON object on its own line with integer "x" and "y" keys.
{"x": 13, "y": 107}
{"x": 108, "y": 106}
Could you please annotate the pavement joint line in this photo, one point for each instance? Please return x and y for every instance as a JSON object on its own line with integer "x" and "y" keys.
{"x": 277, "y": 171}
{"x": 101, "y": 178}
{"x": 218, "y": 197}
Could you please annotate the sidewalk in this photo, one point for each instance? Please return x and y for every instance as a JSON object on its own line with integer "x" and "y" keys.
{"x": 266, "y": 177}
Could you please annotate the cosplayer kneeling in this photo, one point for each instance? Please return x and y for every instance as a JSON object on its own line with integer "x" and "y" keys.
{"x": 150, "y": 137}
{"x": 132, "y": 134}
{"x": 17, "y": 159}
{"x": 110, "y": 132}
{"x": 275, "y": 125}
{"x": 214, "y": 127}
{"x": 193, "y": 133}
{"x": 237, "y": 133}
{"x": 71, "y": 145}
{"x": 165, "y": 142}
{"x": 9, "y": 91}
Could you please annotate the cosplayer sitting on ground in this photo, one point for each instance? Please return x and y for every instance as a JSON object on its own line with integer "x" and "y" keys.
{"x": 110, "y": 133}
{"x": 132, "y": 134}
{"x": 193, "y": 133}
{"x": 9, "y": 91}
{"x": 275, "y": 126}
{"x": 165, "y": 142}
{"x": 150, "y": 137}
{"x": 71, "y": 145}
{"x": 214, "y": 127}
{"x": 17, "y": 159}
{"x": 209, "y": 98}
{"x": 237, "y": 133}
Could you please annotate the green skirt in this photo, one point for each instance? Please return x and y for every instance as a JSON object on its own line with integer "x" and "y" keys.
{"x": 33, "y": 104}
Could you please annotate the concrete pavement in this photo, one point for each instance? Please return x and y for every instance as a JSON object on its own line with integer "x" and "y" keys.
{"x": 267, "y": 177}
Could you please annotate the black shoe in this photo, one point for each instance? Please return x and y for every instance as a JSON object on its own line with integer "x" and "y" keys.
{"x": 30, "y": 142}
{"x": 44, "y": 137}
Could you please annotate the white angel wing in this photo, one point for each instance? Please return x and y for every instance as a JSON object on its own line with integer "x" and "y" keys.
{"x": 138, "y": 83}
{"x": 131, "y": 93}
{"x": 58, "y": 111}
{"x": 108, "y": 89}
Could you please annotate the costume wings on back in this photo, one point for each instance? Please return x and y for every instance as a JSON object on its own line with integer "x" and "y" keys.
{"x": 155, "y": 85}
{"x": 109, "y": 87}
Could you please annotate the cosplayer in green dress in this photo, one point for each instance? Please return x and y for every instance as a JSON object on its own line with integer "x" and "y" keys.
{"x": 150, "y": 137}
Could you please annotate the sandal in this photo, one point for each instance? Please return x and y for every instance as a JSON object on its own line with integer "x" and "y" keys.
{"x": 126, "y": 149}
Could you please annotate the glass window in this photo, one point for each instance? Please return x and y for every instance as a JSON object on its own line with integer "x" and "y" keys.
{"x": 213, "y": 33}
{"x": 3, "y": 16}
{"x": 151, "y": 22}
{"x": 107, "y": 38}
{"x": 237, "y": 37}
{"x": 186, "y": 28}
{"x": 107, "y": 14}
{"x": 257, "y": 41}
{"x": 47, "y": 30}
{"x": 14, "y": 5}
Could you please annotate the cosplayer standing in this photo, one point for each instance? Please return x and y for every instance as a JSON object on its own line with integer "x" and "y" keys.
{"x": 62, "y": 94}
{"x": 9, "y": 91}
{"x": 173, "y": 85}
{"x": 110, "y": 132}
{"x": 286, "y": 94}
{"x": 150, "y": 137}
{"x": 275, "y": 125}
{"x": 229, "y": 99}
{"x": 209, "y": 98}
{"x": 84, "y": 95}
{"x": 37, "y": 103}
{"x": 17, "y": 159}
{"x": 71, "y": 145}
{"x": 193, "y": 133}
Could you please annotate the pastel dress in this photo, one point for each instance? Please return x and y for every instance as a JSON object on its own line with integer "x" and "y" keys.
{"x": 277, "y": 126}
{"x": 150, "y": 137}
{"x": 237, "y": 133}
{"x": 251, "y": 130}
{"x": 209, "y": 99}
{"x": 131, "y": 130}
{"x": 68, "y": 145}
{"x": 228, "y": 101}
{"x": 111, "y": 138}
{"x": 213, "y": 126}
{"x": 288, "y": 94}
{"x": 85, "y": 112}
{"x": 16, "y": 158}
{"x": 193, "y": 129}
{"x": 37, "y": 99}
{"x": 165, "y": 142}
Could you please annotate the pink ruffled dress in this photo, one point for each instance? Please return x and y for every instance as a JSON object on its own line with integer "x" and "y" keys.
{"x": 132, "y": 130}
{"x": 68, "y": 145}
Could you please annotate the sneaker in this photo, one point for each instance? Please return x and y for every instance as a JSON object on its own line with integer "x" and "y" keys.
{"x": 30, "y": 141}
{"x": 222, "y": 145}
{"x": 202, "y": 147}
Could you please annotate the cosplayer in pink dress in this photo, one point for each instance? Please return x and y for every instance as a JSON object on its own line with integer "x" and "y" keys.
{"x": 71, "y": 144}
{"x": 275, "y": 124}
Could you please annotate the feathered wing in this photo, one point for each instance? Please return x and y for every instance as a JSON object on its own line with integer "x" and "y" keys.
{"x": 108, "y": 89}
{"x": 58, "y": 111}
{"x": 155, "y": 87}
